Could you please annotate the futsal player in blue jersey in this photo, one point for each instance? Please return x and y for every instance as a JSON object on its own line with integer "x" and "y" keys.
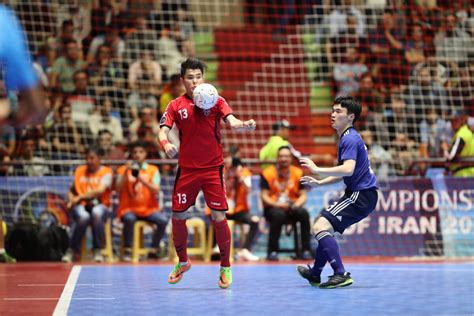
{"x": 358, "y": 201}
{"x": 19, "y": 76}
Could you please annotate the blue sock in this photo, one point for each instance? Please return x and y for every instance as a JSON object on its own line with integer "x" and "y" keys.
{"x": 331, "y": 249}
{"x": 319, "y": 261}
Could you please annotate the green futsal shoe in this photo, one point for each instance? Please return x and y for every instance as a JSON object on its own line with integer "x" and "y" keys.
{"x": 337, "y": 280}
{"x": 305, "y": 272}
{"x": 177, "y": 274}
{"x": 225, "y": 277}
{"x": 6, "y": 258}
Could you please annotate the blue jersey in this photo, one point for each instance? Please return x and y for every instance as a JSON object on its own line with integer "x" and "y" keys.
{"x": 15, "y": 60}
{"x": 352, "y": 147}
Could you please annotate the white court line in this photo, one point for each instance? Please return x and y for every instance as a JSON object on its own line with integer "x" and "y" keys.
{"x": 55, "y": 298}
{"x": 385, "y": 268}
{"x": 62, "y": 284}
{"x": 65, "y": 299}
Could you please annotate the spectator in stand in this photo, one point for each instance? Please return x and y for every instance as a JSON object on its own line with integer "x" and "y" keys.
{"x": 66, "y": 35}
{"x": 337, "y": 19}
{"x": 144, "y": 79}
{"x": 415, "y": 48}
{"x": 461, "y": 91}
{"x": 68, "y": 139}
{"x": 8, "y": 138}
{"x": 399, "y": 119}
{"x": 434, "y": 133}
{"x": 425, "y": 92}
{"x": 4, "y": 171}
{"x": 106, "y": 73}
{"x": 170, "y": 57}
{"x": 88, "y": 203}
{"x": 103, "y": 119}
{"x": 452, "y": 43}
{"x": 108, "y": 14}
{"x": 182, "y": 31}
{"x": 146, "y": 68}
{"x": 386, "y": 49}
{"x": 82, "y": 98}
{"x": 107, "y": 149}
{"x": 347, "y": 74}
{"x": 146, "y": 129}
{"x": 372, "y": 111}
{"x": 80, "y": 15}
{"x": 403, "y": 150}
{"x": 138, "y": 186}
{"x": 281, "y": 134}
{"x": 173, "y": 89}
{"x": 462, "y": 145}
{"x": 37, "y": 168}
{"x": 61, "y": 76}
{"x": 380, "y": 159}
{"x": 47, "y": 54}
{"x": 238, "y": 181}
{"x": 283, "y": 198}
{"x": 336, "y": 46}
{"x": 142, "y": 36}
{"x": 111, "y": 39}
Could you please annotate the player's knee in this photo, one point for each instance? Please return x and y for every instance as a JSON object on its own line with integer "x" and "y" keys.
{"x": 255, "y": 219}
{"x": 180, "y": 215}
{"x": 218, "y": 216}
{"x": 321, "y": 224}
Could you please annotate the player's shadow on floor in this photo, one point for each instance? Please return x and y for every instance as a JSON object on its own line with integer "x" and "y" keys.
{"x": 187, "y": 289}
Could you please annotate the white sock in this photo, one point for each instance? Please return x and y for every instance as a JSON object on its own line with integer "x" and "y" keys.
{"x": 184, "y": 263}
{"x": 2, "y": 251}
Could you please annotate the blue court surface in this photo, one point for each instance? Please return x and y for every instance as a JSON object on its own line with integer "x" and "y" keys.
{"x": 378, "y": 289}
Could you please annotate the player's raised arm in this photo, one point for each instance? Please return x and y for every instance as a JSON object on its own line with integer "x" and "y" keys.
{"x": 344, "y": 170}
{"x": 239, "y": 125}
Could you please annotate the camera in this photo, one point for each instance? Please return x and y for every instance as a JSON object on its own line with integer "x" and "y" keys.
{"x": 135, "y": 169}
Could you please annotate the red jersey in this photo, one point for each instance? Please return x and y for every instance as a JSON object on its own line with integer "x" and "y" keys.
{"x": 199, "y": 131}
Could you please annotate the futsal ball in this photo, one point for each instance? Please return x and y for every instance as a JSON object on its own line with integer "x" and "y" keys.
{"x": 205, "y": 96}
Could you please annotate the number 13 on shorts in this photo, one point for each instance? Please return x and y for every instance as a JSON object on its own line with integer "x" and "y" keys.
{"x": 182, "y": 198}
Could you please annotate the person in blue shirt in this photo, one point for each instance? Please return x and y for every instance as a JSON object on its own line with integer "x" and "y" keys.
{"x": 359, "y": 200}
{"x": 18, "y": 73}
{"x": 19, "y": 76}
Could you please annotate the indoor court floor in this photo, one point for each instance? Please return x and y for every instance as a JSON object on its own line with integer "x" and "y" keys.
{"x": 432, "y": 288}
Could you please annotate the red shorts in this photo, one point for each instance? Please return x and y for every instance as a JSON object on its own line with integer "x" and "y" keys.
{"x": 188, "y": 183}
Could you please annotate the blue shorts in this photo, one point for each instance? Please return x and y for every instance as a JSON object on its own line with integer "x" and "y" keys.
{"x": 351, "y": 208}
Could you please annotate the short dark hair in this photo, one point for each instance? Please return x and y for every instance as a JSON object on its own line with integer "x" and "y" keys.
{"x": 282, "y": 148}
{"x": 93, "y": 149}
{"x": 192, "y": 63}
{"x": 351, "y": 104}
{"x": 136, "y": 144}
{"x": 104, "y": 131}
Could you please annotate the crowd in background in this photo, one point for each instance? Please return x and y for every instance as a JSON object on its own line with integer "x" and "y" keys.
{"x": 412, "y": 67}
{"x": 110, "y": 67}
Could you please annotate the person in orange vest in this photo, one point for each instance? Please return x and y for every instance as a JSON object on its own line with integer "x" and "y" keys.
{"x": 238, "y": 183}
{"x": 138, "y": 186}
{"x": 283, "y": 198}
{"x": 89, "y": 202}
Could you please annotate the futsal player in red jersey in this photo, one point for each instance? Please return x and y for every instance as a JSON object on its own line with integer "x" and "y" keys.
{"x": 201, "y": 165}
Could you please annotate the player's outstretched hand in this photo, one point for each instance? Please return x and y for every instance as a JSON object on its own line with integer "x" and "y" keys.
{"x": 309, "y": 181}
{"x": 308, "y": 163}
{"x": 170, "y": 150}
{"x": 250, "y": 125}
